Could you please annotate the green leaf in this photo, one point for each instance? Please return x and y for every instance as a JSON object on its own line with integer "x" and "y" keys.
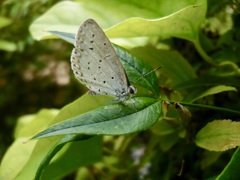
{"x": 45, "y": 149}
{"x": 174, "y": 66}
{"x": 69, "y": 37}
{"x": 30, "y": 124}
{"x": 18, "y": 157}
{"x": 4, "y": 21}
{"x": 198, "y": 93}
{"x": 136, "y": 20}
{"x": 182, "y": 24}
{"x": 67, "y": 161}
{"x": 80, "y": 106}
{"x": 209, "y": 158}
{"x": 219, "y": 135}
{"x": 136, "y": 69}
{"x": 136, "y": 114}
{"x": 163, "y": 127}
{"x": 23, "y": 159}
{"x": 7, "y": 46}
{"x": 167, "y": 141}
{"x": 208, "y": 81}
{"x": 231, "y": 171}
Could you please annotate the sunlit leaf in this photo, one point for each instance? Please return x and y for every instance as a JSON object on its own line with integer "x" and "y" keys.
{"x": 219, "y": 135}
{"x": 4, "y": 21}
{"x": 181, "y": 20}
{"x": 7, "y": 45}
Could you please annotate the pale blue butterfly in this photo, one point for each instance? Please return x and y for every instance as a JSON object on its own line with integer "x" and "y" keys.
{"x": 96, "y": 64}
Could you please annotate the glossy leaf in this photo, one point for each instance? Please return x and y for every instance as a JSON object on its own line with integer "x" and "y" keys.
{"x": 136, "y": 114}
{"x": 136, "y": 69}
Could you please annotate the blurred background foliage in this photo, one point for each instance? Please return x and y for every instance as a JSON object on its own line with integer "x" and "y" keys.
{"x": 33, "y": 74}
{"x": 36, "y": 74}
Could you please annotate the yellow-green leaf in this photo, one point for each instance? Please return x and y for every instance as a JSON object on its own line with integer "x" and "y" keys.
{"x": 219, "y": 135}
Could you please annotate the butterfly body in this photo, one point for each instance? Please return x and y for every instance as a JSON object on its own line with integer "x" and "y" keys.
{"x": 96, "y": 64}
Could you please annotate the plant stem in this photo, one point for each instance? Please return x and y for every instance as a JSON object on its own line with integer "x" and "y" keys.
{"x": 208, "y": 107}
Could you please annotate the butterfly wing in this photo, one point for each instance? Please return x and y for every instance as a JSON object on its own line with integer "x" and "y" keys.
{"x": 95, "y": 63}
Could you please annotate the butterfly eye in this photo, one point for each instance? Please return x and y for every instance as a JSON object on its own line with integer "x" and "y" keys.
{"x": 132, "y": 90}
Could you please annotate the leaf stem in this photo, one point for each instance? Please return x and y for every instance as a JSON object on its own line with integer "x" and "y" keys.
{"x": 208, "y": 107}
{"x": 202, "y": 53}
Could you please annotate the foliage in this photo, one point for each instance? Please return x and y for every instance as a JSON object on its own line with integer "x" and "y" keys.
{"x": 29, "y": 76}
{"x": 189, "y": 130}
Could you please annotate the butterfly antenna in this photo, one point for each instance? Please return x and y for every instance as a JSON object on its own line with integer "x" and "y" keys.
{"x": 157, "y": 68}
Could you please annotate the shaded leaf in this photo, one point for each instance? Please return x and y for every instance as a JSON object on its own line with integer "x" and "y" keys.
{"x": 199, "y": 93}
{"x": 208, "y": 81}
{"x": 167, "y": 141}
{"x": 231, "y": 171}
{"x": 163, "y": 127}
{"x": 174, "y": 66}
{"x": 209, "y": 158}
{"x": 67, "y": 161}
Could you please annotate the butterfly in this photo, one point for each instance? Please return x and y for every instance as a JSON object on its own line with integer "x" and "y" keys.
{"x": 96, "y": 64}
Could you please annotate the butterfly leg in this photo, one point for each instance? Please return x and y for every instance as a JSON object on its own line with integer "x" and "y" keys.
{"x": 93, "y": 93}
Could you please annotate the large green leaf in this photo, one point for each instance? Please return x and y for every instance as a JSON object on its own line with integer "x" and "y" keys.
{"x": 133, "y": 19}
{"x": 19, "y": 154}
{"x": 135, "y": 114}
{"x": 16, "y": 158}
{"x": 180, "y": 24}
{"x": 23, "y": 159}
